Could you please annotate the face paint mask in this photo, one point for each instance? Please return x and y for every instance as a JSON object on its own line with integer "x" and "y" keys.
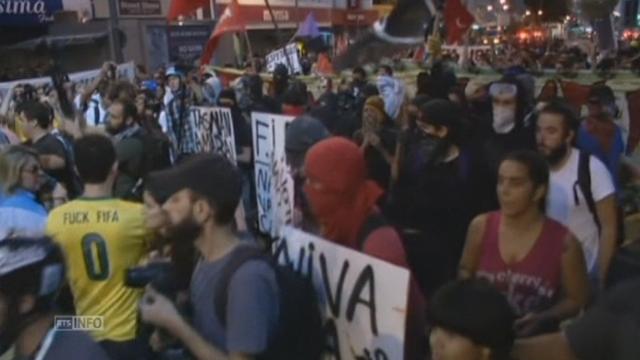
{"x": 504, "y": 119}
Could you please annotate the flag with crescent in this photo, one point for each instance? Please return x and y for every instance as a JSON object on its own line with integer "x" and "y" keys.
{"x": 457, "y": 20}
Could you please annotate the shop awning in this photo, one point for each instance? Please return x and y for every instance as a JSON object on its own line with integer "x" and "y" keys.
{"x": 60, "y": 41}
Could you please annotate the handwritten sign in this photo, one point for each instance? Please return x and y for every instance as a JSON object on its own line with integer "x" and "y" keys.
{"x": 214, "y": 131}
{"x": 274, "y": 185}
{"x": 363, "y": 299}
{"x": 280, "y": 57}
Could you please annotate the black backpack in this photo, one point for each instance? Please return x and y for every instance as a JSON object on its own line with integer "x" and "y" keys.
{"x": 584, "y": 184}
{"x": 300, "y": 333}
{"x": 75, "y": 187}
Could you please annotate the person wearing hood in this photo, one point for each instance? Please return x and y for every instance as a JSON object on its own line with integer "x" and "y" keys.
{"x": 430, "y": 201}
{"x": 343, "y": 202}
{"x": 211, "y": 88}
{"x": 280, "y": 82}
{"x": 377, "y": 139}
{"x": 244, "y": 150}
{"x": 505, "y": 131}
{"x": 392, "y": 92}
{"x": 295, "y": 99}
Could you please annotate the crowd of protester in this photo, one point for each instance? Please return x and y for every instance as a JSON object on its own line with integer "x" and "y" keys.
{"x": 508, "y": 210}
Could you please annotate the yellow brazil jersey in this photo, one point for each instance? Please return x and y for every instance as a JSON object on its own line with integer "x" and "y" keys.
{"x": 101, "y": 238}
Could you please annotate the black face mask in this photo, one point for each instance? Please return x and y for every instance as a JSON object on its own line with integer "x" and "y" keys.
{"x": 428, "y": 150}
{"x": 557, "y": 155}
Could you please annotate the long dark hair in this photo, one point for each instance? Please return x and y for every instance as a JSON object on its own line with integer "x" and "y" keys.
{"x": 537, "y": 169}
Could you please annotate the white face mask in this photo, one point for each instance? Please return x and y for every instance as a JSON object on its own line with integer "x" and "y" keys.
{"x": 504, "y": 119}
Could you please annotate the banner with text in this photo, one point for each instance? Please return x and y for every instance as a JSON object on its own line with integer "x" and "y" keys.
{"x": 363, "y": 299}
{"x": 274, "y": 184}
{"x": 279, "y": 57}
{"x": 82, "y": 78}
{"x": 214, "y": 131}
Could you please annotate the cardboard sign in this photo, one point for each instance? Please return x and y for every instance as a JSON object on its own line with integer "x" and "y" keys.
{"x": 279, "y": 57}
{"x": 214, "y": 131}
{"x": 274, "y": 184}
{"x": 363, "y": 299}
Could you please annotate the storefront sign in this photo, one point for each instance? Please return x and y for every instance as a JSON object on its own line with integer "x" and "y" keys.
{"x": 140, "y": 8}
{"x": 28, "y": 12}
{"x": 187, "y": 42}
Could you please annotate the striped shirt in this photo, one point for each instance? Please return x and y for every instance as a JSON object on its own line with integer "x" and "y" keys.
{"x": 22, "y": 215}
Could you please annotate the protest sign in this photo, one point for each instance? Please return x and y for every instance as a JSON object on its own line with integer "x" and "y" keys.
{"x": 82, "y": 78}
{"x": 274, "y": 184}
{"x": 363, "y": 300}
{"x": 214, "y": 131}
{"x": 279, "y": 57}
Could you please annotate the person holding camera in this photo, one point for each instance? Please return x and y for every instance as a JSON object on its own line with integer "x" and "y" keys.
{"x": 102, "y": 237}
{"x": 204, "y": 194}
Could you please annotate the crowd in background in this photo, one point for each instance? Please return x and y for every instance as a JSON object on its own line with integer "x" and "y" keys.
{"x": 521, "y": 198}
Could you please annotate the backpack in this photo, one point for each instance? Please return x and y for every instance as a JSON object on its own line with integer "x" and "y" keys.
{"x": 584, "y": 184}
{"x": 76, "y": 185}
{"x": 300, "y": 333}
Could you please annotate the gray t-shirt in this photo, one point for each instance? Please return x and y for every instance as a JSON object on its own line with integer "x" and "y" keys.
{"x": 252, "y": 305}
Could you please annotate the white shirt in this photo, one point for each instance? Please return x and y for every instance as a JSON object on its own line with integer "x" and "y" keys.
{"x": 561, "y": 205}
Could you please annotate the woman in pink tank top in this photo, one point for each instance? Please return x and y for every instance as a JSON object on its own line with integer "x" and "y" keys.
{"x": 533, "y": 260}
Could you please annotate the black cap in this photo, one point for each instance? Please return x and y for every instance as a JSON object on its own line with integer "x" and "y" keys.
{"x": 443, "y": 113}
{"x": 475, "y": 309}
{"x": 209, "y": 175}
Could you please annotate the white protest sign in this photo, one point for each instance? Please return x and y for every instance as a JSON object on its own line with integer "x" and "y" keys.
{"x": 125, "y": 71}
{"x": 279, "y": 57}
{"x": 363, "y": 299}
{"x": 214, "y": 131}
{"x": 274, "y": 184}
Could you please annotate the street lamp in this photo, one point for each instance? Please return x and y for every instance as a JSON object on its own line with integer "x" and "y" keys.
{"x": 527, "y": 13}
{"x": 539, "y": 12}
{"x": 489, "y": 8}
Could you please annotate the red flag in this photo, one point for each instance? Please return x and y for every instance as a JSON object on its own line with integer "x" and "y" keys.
{"x": 185, "y": 7}
{"x": 457, "y": 19}
{"x": 231, "y": 20}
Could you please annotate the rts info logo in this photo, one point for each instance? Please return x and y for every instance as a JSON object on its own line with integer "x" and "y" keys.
{"x": 79, "y": 323}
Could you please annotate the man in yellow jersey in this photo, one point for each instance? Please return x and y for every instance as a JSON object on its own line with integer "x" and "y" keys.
{"x": 101, "y": 238}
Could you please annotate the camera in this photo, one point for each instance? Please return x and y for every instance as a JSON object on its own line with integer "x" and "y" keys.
{"x": 160, "y": 275}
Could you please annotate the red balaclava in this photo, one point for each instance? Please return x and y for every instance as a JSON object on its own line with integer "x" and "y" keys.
{"x": 339, "y": 193}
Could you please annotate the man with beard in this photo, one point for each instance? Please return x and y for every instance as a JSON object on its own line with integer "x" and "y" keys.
{"x": 102, "y": 237}
{"x": 429, "y": 200}
{"x": 123, "y": 126}
{"x": 585, "y": 204}
{"x": 31, "y": 274}
{"x": 204, "y": 194}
